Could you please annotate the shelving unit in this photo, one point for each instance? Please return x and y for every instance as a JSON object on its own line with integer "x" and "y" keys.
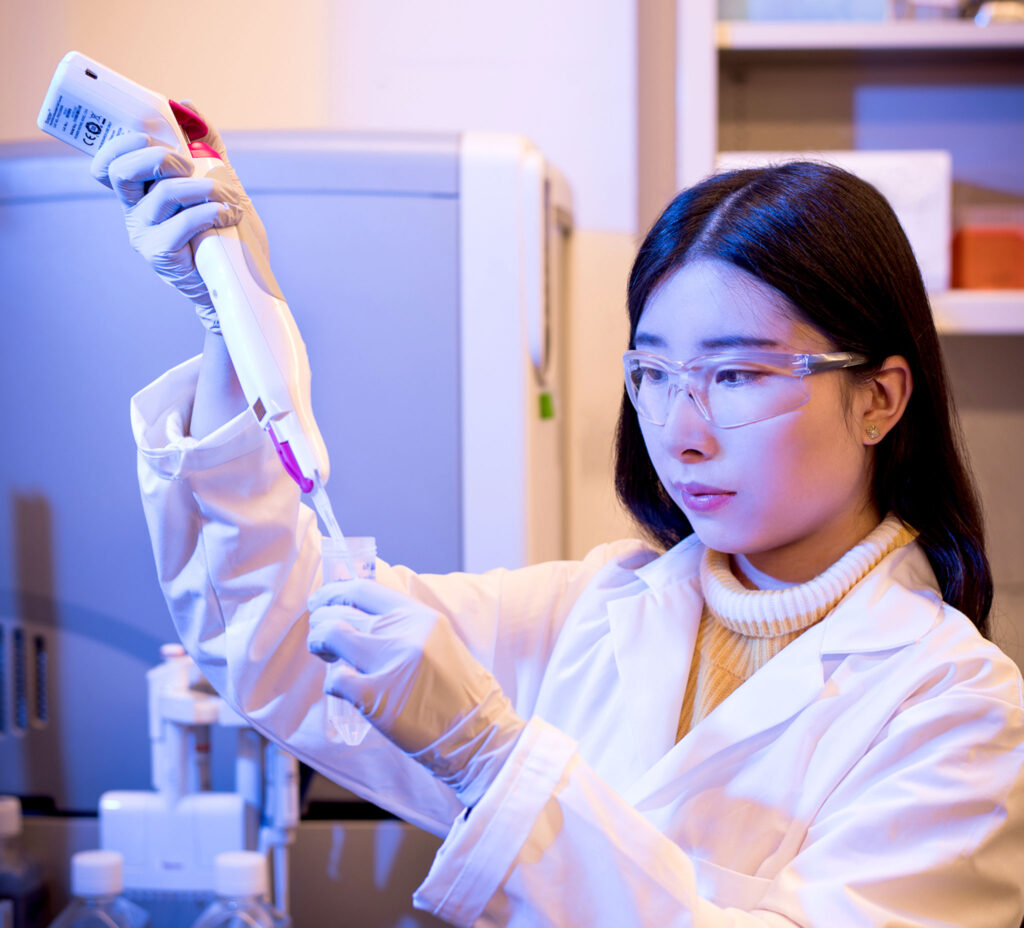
{"x": 812, "y": 85}
{"x": 865, "y": 36}
{"x": 979, "y": 312}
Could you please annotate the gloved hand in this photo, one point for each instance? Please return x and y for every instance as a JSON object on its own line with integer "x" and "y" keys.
{"x": 401, "y": 664}
{"x": 165, "y": 207}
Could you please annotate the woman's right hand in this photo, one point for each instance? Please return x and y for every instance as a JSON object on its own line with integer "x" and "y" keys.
{"x": 165, "y": 207}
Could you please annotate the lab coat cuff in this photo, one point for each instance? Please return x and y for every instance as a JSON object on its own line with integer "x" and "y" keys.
{"x": 159, "y": 413}
{"x": 482, "y": 847}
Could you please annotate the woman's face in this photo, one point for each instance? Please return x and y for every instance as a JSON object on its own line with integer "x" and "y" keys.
{"x": 792, "y": 493}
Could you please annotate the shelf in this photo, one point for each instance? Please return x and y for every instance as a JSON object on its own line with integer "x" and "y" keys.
{"x": 741, "y": 35}
{"x": 979, "y": 312}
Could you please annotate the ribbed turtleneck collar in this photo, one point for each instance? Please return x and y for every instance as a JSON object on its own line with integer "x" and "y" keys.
{"x": 771, "y": 613}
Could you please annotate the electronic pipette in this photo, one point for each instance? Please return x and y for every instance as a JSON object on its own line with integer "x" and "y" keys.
{"x": 88, "y": 103}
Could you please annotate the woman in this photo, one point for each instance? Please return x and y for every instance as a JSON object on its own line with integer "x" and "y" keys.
{"x": 788, "y": 717}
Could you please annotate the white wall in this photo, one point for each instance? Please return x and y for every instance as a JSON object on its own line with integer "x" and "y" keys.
{"x": 563, "y": 74}
{"x": 251, "y": 63}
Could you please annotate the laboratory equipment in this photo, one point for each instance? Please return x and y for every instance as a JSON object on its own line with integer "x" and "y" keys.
{"x": 23, "y": 898}
{"x": 241, "y": 882}
{"x": 170, "y": 836}
{"x": 87, "y": 104}
{"x": 96, "y": 885}
{"x": 447, "y": 251}
{"x": 343, "y": 560}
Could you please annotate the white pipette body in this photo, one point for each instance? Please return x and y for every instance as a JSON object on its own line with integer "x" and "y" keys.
{"x": 88, "y": 103}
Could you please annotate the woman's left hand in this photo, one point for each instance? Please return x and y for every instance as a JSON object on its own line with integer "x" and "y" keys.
{"x": 402, "y": 665}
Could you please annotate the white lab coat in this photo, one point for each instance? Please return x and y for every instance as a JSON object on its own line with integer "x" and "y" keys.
{"x": 869, "y": 774}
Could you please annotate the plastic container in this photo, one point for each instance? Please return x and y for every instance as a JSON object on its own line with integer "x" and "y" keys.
{"x": 989, "y": 257}
{"x": 361, "y": 551}
{"x": 23, "y": 895}
{"x": 803, "y": 9}
{"x": 337, "y": 558}
{"x": 240, "y": 878}
{"x": 97, "y": 880}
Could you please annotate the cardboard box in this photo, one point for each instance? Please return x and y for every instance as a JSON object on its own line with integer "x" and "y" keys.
{"x": 918, "y": 185}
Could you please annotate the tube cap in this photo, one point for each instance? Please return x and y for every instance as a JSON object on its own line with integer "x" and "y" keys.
{"x": 10, "y": 816}
{"x": 240, "y": 873}
{"x": 97, "y": 873}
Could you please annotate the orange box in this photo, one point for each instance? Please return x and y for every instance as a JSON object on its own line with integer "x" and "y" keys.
{"x": 989, "y": 257}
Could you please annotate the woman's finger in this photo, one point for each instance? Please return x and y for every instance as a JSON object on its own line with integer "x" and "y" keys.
{"x": 130, "y": 174}
{"x": 337, "y": 640}
{"x": 343, "y": 681}
{"x": 176, "y": 193}
{"x": 367, "y": 595}
{"x": 113, "y": 149}
{"x": 175, "y": 233}
{"x": 334, "y": 612}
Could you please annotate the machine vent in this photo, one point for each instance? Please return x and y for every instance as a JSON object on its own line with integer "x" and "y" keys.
{"x": 4, "y": 678}
{"x": 24, "y": 679}
{"x": 20, "y": 681}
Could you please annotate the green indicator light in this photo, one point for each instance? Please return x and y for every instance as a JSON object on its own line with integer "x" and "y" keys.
{"x": 547, "y": 406}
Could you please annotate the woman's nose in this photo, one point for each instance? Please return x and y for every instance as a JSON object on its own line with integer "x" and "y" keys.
{"x": 686, "y": 431}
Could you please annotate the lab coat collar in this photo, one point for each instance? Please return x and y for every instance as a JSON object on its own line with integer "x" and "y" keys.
{"x": 773, "y": 695}
{"x": 680, "y": 561}
{"x": 893, "y": 606}
{"x": 654, "y": 635}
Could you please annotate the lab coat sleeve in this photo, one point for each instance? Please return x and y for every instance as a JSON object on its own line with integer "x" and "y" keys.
{"x": 237, "y": 555}
{"x": 925, "y": 830}
{"x": 551, "y": 844}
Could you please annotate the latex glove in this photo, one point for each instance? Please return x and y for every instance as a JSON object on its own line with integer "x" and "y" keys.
{"x": 165, "y": 207}
{"x": 402, "y": 665}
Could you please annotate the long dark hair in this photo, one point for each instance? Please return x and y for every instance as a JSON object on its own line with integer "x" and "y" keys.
{"x": 831, "y": 244}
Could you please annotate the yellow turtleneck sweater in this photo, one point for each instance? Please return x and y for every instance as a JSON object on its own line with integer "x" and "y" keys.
{"x": 741, "y": 630}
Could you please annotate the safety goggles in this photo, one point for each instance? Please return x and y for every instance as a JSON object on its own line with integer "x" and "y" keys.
{"x": 728, "y": 390}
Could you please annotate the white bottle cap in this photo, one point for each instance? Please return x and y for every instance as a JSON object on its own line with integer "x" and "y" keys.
{"x": 240, "y": 873}
{"x": 10, "y": 816}
{"x": 97, "y": 873}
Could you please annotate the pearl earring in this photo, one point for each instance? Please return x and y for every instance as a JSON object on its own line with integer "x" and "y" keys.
{"x": 872, "y": 432}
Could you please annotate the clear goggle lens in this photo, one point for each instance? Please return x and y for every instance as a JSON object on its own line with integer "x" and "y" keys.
{"x": 727, "y": 390}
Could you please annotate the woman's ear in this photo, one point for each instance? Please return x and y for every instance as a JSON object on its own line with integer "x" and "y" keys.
{"x": 884, "y": 398}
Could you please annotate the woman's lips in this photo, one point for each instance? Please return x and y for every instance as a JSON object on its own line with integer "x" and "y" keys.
{"x": 699, "y": 497}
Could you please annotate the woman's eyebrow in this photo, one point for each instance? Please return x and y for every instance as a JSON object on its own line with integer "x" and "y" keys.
{"x": 738, "y": 341}
{"x": 651, "y": 341}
